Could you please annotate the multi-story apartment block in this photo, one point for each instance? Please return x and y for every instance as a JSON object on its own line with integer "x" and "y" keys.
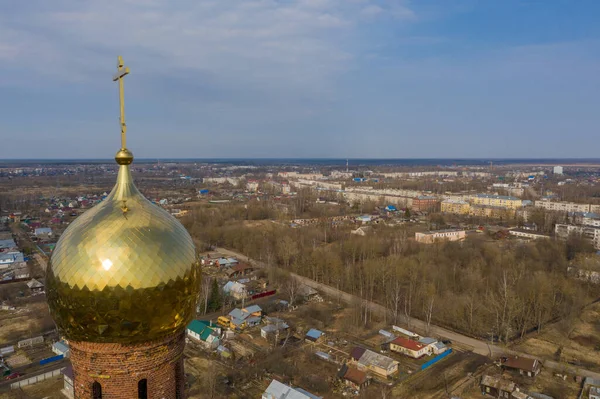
{"x": 489, "y": 211}
{"x": 503, "y": 201}
{"x": 562, "y": 206}
{"x": 425, "y": 203}
{"x": 592, "y": 233}
{"x": 456, "y": 207}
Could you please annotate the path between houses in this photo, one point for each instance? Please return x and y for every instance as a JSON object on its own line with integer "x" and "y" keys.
{"x": 478, "y": 346}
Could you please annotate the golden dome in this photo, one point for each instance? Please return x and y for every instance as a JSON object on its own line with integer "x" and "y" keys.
{"x": 123, "y": 271}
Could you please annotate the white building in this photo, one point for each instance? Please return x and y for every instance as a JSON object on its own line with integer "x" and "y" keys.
{"x": 278, "y": 390}
{"x": 562, "y": 206}
{"x": 527, "y": 234}
{"x": 429, "y": 237}
{"x": 591, "y": 233}
{"x": 558, "y": 170}
{"x": 61, "y": 348}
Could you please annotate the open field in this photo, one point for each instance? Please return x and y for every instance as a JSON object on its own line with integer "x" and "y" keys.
{"x": 25, "y": 322}
{"x": 581, "y": 348}
{"x": 48, "y": 389}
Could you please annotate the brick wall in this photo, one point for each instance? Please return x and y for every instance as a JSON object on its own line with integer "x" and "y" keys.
{"x": 119, "y": 367}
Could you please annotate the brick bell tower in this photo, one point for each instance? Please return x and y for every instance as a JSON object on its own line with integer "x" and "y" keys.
{"x": 121, "y": 286}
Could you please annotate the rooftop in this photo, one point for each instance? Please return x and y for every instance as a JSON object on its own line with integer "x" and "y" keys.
{"x": 500, "y": 197}
{"x": 409, "y": 343}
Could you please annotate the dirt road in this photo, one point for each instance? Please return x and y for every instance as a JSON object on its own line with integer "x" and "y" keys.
{"x": 478, "y": 346}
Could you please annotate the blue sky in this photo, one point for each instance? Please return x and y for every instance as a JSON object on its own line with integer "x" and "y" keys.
{"x": 301, "y": 78}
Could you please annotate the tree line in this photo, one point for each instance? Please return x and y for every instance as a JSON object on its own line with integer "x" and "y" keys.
{"x": 482, "y": 287}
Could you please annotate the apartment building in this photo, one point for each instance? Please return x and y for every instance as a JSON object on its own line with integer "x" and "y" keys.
{"x": 425, "y": 203}
{"x": 592, "y": 233}
{"x": 489, "y": 211}
{"x": 457, "y": 207}
{"x": 562, "y": 206}
{"x": 503, "y": 201}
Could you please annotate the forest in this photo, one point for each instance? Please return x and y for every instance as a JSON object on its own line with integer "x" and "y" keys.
{"x": 482, "y": 287}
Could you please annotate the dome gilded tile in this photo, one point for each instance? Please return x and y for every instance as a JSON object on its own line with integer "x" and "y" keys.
{"x": 123, "y": 271}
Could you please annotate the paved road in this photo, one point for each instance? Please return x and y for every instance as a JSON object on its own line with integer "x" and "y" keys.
{"x": 478, "y": 346}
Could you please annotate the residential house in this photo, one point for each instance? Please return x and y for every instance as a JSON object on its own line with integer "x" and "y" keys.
{"x": 236, "y": 290}
{"x": 278, "y": 390}
{"x": 35, "y": 286}
{"x": 241, "y": 269}
{"x": 409, "y": 347}
{"x": 247, "y": 317}
{"x": 594, "y": 392}
{"x": 8, "y": 245}
{"x": 274, "y": 327}
{"x": 204, "y": 332}
{"x": 353, "y": 377}
{"x": 429, "y": 344}
{"x": 524, "y": 365}
{"x": 8, "y": 259}
{"x": 439, "y": 347}
{"x": 496, "y": 387}
{"x": 43, "y": 232}
{"x": 367, "y": 360}
{"x": 226, "y": 262}
{"x": 314, "y": 335}
{"x": 61, "y": 348}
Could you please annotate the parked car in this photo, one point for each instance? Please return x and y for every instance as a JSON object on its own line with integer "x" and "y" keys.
{"x": 13, "y": 376}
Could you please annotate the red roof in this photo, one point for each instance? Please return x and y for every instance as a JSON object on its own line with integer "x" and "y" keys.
{"x": 408, "y": 344}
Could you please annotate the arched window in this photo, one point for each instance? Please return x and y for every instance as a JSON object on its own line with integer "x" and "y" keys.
{"x": 96, "y": 390}
{"x": 143, "y": 389}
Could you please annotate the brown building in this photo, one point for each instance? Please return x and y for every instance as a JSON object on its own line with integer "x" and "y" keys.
{"x": 426, "y": 203}
{"x": 122, "y": 285}
{"x": 523, "y": 365}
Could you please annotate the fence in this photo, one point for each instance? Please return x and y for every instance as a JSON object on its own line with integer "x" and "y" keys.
{"x": 436, "y": 359}
{"x": 264, "y": 294}
{"x": 36, "y": 378}
{"x": 51, "y": 359}
{"x": 30, "y": 342}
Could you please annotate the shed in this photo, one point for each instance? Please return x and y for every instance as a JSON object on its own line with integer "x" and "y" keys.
{"x": 524, "y": 365}
{"x": 35, "y": 286}
{"x": 314, "y": 335}
{"x": 61, "y": 348}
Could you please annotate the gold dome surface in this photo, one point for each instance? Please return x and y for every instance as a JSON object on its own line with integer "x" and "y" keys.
{"x": 123, "y": 271}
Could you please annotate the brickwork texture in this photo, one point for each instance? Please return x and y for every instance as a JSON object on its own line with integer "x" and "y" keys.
{"x": 118, "y": 368}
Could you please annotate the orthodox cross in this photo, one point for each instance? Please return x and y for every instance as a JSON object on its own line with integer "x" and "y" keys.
{"x": 122, "y": 70}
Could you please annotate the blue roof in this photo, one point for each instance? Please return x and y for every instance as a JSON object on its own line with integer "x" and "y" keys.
{"x": 314, "y": 333}
{"x": 237, "y": 314}
{"x": 10, "y": 243}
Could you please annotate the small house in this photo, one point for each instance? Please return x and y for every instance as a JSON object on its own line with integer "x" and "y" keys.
{"x": 594, "y": 392}
{"x": 314, "y": 335}
{"x": 409, "y": 347}
{"x": 237, "y": 290}
{"x": 226, "y": 262}
{"x": 496, "y": 387}
{"x": 35, "y": 286}
{"x": 523, "y": 365}
{"x": 367, "y": 360}
{"x": 43, "y": 232}
{"x": 353, "y": 377}
{"x": 204, "y": 332}
{"x": 61, "y": 348}
{"x": 278, "y": 390}
{"x": 239, "y": 270}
